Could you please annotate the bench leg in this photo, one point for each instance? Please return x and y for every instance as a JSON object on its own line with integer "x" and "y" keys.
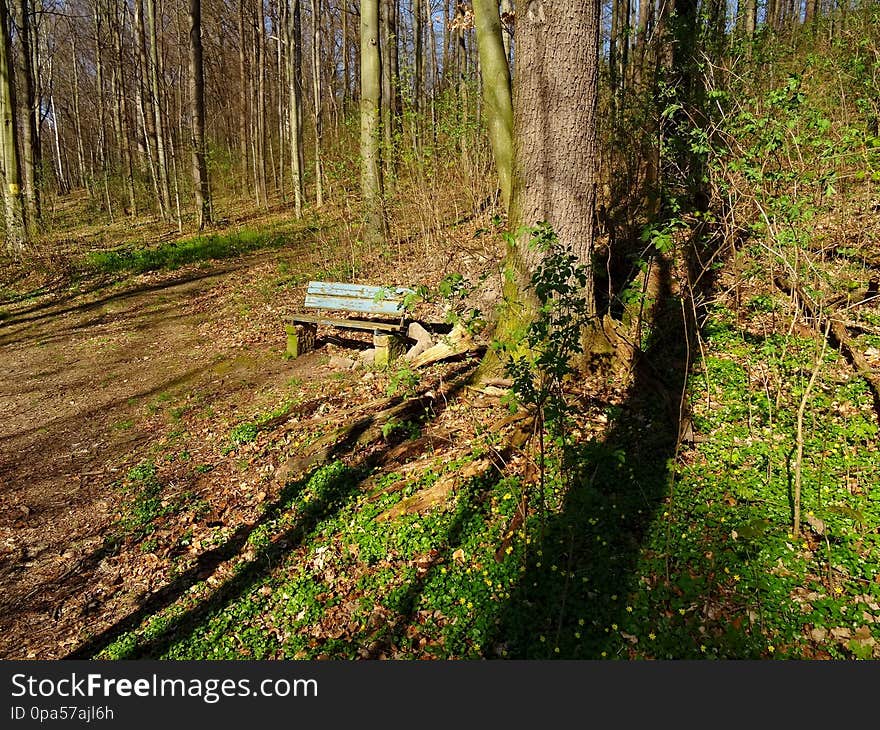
{"x": 388, "y": 348}
{"x": 300, "y": 339}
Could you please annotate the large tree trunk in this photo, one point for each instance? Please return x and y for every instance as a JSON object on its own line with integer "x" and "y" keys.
{"x": 555, "y": 95}
{"x": 197, "y": 99}
{"x": 10, "y": 166}
{"x": 496, "y": 91}
{"x": 371, "y": 93}
{"x": 556, "y": 149}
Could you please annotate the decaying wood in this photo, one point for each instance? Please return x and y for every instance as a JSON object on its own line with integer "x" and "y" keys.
{"x": 457, "y": 342}
{"x": 362, "y": 432}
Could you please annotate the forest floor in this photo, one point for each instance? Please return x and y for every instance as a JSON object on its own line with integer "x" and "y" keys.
{"x": 172, "y": 486}
{"x": 113, "y": 380}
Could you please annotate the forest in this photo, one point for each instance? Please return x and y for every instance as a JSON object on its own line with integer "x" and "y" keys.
{"x": 422, "y": 329}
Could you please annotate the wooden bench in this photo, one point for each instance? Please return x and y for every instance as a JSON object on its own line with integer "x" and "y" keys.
{"x": 368, "y": 301}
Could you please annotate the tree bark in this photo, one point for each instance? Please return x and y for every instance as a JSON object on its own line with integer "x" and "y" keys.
{"x": 243, "y": 95}
{"x": 556, "y": 150}
{"x": 10, "y": 165}
{"x": 386, "y": 104}
{"x": 555, "y": 122}
{"x": 30, "y": 131}
{"x": 497, "y": 92}
{"x": 371, "y": 94}
{"x": 318, "y": 98}
{"x": 155, "y": 103}
{"x": 294, "y": 82}
{"x": 197, "y": 99}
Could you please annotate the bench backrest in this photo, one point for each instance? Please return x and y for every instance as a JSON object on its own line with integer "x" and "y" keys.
{"x": 356, "y": 297}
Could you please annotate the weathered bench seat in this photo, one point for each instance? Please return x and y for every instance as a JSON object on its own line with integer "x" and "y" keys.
{"x": 375, "y": 304}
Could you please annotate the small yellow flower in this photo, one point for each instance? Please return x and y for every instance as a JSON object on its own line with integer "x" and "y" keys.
{"x": 577, "y": 634}
{"x": 556, "y": 650}
{"x": 614, "y": 627}
{"x": 543, "y": 639}
{"x": 629, "y": 609}
{"x": 771, "y": 648}
{"x": 703, "y": 648}
{"x": 580, "y": 622}
{"x": 681, "y": 611}
{"x": 604, "y": 654}
{"x": 652, "y": 636}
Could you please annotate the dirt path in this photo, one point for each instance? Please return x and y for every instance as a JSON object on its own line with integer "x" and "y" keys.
{"x": 88, "y": 385}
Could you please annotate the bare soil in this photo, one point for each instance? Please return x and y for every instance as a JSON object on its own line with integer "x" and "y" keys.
{"x": 94, "y": 382}
{"x": 100, "y": 376}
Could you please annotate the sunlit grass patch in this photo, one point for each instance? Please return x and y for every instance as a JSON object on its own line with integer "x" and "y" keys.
{"x": 181, "y": 253}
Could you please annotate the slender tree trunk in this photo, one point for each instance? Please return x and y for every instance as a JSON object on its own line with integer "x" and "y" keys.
{"x": 243, "y": 94}
{"x": 496, "y": 91}
{"x": 156, "y": 103}
{"x": 294, "y": 81}
{"x": 197, "y": 98}
{"x": 386, "y": 104}
{"x": 318, "y": 99}
{"x": 371, "y": 94}
{"x": 435, "y": 76}
{"x": 418, "y": 57}
{"x": 260, "y": 39}
{"x": 146, "y": 116}
{"x": 121, "y": 108}
{"x": 77, "y": 120}
{"x": 61, "y": 177}
{"x": 751, "y": 18}
{"x": 98, "y": 18}
{"x": 645, "y": 18}
{"x": 10, "y": 165}
{"x": 280, "y": 73}
{"x": 30, "y": 131}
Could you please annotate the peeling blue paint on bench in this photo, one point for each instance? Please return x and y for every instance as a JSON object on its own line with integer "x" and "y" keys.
{"x": 356, "y": 298}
